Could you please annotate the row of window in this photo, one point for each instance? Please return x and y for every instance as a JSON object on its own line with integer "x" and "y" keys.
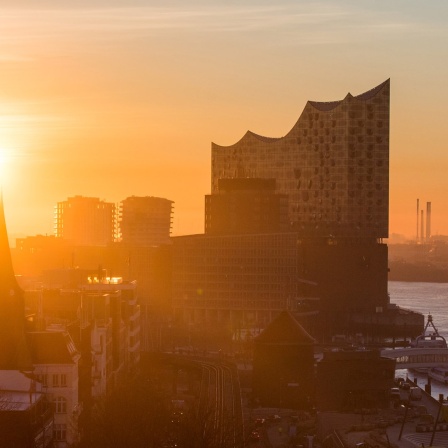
{"x": 424, "y": 358}
{"x": 57, "y": 379}
{"x": 278, "y": 304}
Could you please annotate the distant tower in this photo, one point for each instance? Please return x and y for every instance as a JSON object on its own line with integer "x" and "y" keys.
{"x": 428, "y": 221}
{"x": 418, "y": 208}
{"x": 14, "y": 352}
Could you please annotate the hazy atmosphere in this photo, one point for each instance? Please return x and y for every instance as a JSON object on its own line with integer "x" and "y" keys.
{"x": 112, "y": 98}
{"x": 223, "y": 224}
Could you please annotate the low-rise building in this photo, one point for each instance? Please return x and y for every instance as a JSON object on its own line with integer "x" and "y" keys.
{"x": 26, "y": 416}
{"x": 349, "y": 380}
{"x": 55, "y": 360}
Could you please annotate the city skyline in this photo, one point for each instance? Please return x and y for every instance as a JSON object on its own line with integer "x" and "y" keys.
{"x": 114, "y": 99}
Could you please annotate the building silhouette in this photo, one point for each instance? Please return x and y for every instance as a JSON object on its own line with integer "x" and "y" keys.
{"x": 332, "y": 171}
{"x": 145, "y": 221}
{"x": 353, "y": 380}
{"x": 26, "y": 418}
{"x": 85, "y": 221}
{"x": 283, "y": 365}
{"x": 291, "y": 223}
{"x": 245, "y": 205}
{"x": 333, "y": 165}
{"x": 14, "y": 353}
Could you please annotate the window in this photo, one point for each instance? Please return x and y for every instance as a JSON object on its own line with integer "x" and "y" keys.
{"x": 55, "y": 380}
{"x": 59, "y": 432}
{"x": 44, "y": 379}
{"x": 60, "y": 405}
{"x": 63, "y": 380}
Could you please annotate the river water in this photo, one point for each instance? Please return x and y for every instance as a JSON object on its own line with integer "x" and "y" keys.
{"x": 426, "y": 298}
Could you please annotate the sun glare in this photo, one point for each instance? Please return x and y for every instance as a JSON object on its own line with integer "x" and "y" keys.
{"x": 3, "y": 164}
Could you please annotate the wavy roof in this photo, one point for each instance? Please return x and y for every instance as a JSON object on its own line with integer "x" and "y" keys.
{"x": 330, "y": 105}
{"x": 324, "y": 106}
{"x": 262, "y": 138}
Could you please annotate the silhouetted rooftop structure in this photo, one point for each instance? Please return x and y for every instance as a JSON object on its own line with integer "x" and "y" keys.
{"x": 285, "y": 329}
{"x": 14, "y": 352}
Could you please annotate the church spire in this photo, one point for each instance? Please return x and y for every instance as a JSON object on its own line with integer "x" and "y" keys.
{"x": 14, "y": 352}
{"x": 7, "y": 278}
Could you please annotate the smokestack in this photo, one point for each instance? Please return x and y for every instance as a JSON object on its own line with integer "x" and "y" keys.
{"x": 418, "y": 207}
{"x": 422, "y": 226}
{"x": 428, "y": 221}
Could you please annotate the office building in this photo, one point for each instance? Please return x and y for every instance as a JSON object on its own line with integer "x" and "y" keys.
{"x": 85, "y": 221}
{"x": 145, "y": 221}
{"x": 237, "y": 281}
{"x": 244, "y": 205}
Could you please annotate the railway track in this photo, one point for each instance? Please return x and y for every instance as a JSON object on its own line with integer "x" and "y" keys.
{"x": 220, "y": 405}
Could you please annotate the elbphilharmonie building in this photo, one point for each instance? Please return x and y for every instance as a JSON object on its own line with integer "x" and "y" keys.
{"x": 333, "y": 165}
{"x": 297, "y": 223}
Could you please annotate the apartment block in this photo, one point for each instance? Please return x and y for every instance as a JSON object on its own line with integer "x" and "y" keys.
{"x": 85, "y": 221}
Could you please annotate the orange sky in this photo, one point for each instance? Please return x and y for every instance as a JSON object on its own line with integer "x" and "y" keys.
{"x": 118, "y": 98}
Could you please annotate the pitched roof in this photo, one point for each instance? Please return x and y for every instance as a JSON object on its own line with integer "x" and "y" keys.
{"x": 284, "y": 329}
{"x": 49, "y": 347}
{"x": 18, "y": 390}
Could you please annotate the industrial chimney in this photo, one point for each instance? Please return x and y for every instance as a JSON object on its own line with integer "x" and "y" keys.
{"x": 422, "y": 226}
{"x": 418, "y": 207}
{"x": 428, "y": 221}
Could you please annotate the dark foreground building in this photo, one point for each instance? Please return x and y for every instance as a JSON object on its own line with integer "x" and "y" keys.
{"x": 351, "y": 380}
{"x": 283, "y": 365}
{"x": 245, "y": 205}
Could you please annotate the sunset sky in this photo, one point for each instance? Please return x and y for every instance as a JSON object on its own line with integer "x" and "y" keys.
{"x": 116, "y": 98}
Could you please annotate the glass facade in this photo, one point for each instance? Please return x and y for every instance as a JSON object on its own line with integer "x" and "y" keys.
{"x": 333, "y": 165}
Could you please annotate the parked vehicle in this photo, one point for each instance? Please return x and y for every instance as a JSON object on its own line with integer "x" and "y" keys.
{"x": 415, "y": 393}
{"x": 395, "y": 394}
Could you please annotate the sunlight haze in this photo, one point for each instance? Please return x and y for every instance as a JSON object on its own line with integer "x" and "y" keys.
{"x": 115, "y": 98}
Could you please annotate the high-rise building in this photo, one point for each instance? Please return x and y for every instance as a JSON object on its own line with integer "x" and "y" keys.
{"x": 333, "y": 170}
{"x": 333, "y": 165}
{"x": 145, "y": 221}
{"x": 85, "y": 221}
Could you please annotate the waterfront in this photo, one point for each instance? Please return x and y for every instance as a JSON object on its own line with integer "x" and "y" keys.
{"x": 425, "y": 298}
